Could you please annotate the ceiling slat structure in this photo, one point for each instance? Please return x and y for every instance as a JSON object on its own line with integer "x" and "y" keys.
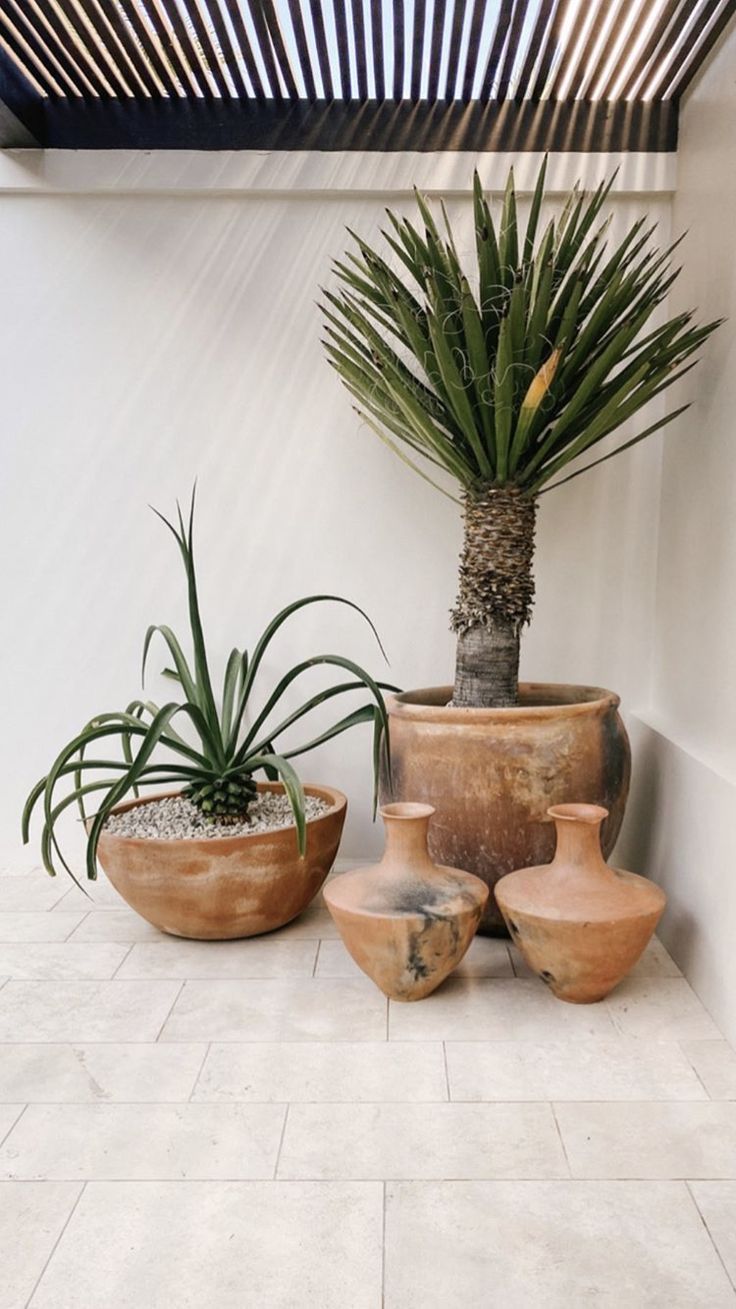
{"x": 351, "y": 74}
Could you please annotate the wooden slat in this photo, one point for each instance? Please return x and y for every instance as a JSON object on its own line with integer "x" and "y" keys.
{"x": 192, "y": 65}
{"x": 583, "y": 71}
{"x": 74, "y": 48}
{"x": 277, "y": 43}
{"x": 97, "y": 44}
{"x": 300, "y": 36}
{"x": 549, "y": 47}
{"x": 341, "y": 42}
{"x": 628, "y": 8}
{"x": 417, "y": 48}
{"x": 517, "y": 22}
{"x": 471, "y": 61}
{"x": 47, "y": 51}
{"x": 674, "y": 89}
{"x": 535, "y": 44}
{"x": 245, "y": 48}
{"x": 117, "y": 19}
{"x": 398, "y": 77}
{"x": 456, "y": 33}
{"x": 229, "y": 52}
{"x": 649, "y": 53}
{"x": 209, "y": 52}
{"x": 377, "y": 44}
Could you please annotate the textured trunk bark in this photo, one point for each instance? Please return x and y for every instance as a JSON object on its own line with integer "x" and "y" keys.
{"x": 495, "y": 596}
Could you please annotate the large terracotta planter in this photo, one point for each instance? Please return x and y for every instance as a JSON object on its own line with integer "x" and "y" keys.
{"x": 406, "y": 921}
{"x": 220, "y": 888}
{"x": 580, "y": 925}
{"x": 492, "y": 774}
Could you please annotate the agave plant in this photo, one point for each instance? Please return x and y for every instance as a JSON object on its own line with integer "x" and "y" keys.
{"x": 503, "y": 376}
{"x": 217, "y": 770}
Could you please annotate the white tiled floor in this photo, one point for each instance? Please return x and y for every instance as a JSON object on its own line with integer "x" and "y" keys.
{"x": 251, "y": 1125}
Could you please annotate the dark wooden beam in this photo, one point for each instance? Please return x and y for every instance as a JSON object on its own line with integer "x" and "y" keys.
{"x": 21, "y": 108}
{"x": 386, "y": 126}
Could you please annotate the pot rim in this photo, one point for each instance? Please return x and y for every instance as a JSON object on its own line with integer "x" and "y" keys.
{"x": 218, "y": 844}
{"x": 559, "y": 699}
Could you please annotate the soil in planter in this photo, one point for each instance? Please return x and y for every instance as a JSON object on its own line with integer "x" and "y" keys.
{"x": 176, "y": 819}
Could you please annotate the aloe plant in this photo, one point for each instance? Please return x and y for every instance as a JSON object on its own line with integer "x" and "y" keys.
{"x": 217, "y": 768}
{"x": 504, "y": 376}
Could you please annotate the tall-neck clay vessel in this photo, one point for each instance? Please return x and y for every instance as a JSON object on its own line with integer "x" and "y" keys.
{"x": 407, "y": 921}
{"x": 580, "y": 925}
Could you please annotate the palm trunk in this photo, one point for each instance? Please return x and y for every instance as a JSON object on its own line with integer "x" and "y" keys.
{"x": 495, "y": 595}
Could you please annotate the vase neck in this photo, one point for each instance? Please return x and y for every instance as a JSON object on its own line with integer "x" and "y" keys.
{"x": 578, "y": 828}
{"x": 407, "y": 827}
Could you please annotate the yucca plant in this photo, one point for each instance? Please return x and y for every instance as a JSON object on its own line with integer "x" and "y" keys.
{"x": 217, "y": 769}
{"x": 503, "y": 375}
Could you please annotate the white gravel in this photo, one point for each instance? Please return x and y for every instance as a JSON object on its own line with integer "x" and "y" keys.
{"x": 177, "y": 819}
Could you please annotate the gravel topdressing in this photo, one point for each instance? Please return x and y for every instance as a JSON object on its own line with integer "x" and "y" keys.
{"x": 177, "y": 819}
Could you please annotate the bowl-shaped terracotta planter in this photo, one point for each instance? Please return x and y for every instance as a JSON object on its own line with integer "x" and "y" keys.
{"x": 225, "y": 887}
{"x": 492, "y": 774}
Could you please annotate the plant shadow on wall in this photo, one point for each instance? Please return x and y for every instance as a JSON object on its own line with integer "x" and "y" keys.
{"x": 215, "y": 770}
{"x": 504, "y": 376}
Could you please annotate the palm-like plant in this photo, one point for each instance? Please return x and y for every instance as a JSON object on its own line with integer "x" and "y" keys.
{"x": 216, "y": 771}
{"x": 505, "y": 382}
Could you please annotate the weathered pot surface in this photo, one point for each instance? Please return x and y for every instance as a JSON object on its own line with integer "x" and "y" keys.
{"x": 406, "y": 921}
{"x": 220, "y": 888}
{"x": 492, "y": 774}
{"x": 580, "y": 925}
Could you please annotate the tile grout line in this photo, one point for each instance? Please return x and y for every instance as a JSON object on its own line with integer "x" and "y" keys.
{"x": 13, "y": 1125}
{"x": 688, "y": 1188}
{"x": 383, "y": 1249}
{"x": 168, "y": 1014}
{"x": 447, "y": 1071}
{"x": 54, "y": 1247}
{"x": 195, "y": 1083}
{"x": 275, "y": 1177}
{"x": 686, "y": 1056}
{"x": 316, "y": 958}
{"x": 559, "y": 1133}
{"x": 127, "y": 954}
{"x": 76, "y": 926}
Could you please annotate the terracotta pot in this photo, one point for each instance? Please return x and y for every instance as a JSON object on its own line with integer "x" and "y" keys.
{"x": 406, "y": 921}
{"x": 491, "y": 774}
{"x": 225, "y": 887}
{"x": 578, "y": 923}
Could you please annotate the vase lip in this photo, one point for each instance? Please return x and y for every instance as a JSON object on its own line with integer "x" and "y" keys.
{"x": 578, "y": 813}
{"x": 538, "y": 702}
{"x": 403, "y": 809}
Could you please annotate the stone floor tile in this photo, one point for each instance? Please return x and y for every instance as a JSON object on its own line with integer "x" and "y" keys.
{"x": 320, "y": 1070}
{"x": 490, "y": 1009}
{"x": 365, "y": 1141}
{"x": 32, "y": 1218}
{"x": 156, "y": 1142}
{"x": 37, "y": 926}
{"x": 715, "y": 1064}
{"x": 90, "y": 895}
{"x": 219, "y": 1245}
{"x": 318, "y": 1009}
{"x": 262, "y": 956}
{"x": 717, "y": 1203}
{"x": 117, "y": 925}
{"x": 58, "y": 1074}
{"x": 84, "y": 1011}
{"x": 35, "y": 893}
{"x": 549, "y": 1245}
{"x": 660, "y": 1009}
{"x": 313, "y": 925}
{"x": 613, "y": 1069}
{"x": 64, "y": 961}
{"x": 650, "y": 1139}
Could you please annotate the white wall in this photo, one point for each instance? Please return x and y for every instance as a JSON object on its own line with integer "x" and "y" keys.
{"x": 681, "y": 825}
{"x": 156, "y": 328}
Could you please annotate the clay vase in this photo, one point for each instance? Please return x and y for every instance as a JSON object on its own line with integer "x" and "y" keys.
{"x": 407, "y": 922}
{"x": 220, "y": 888}
{"x": 491, "y": 774}
{"x": 580, "y": 925}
